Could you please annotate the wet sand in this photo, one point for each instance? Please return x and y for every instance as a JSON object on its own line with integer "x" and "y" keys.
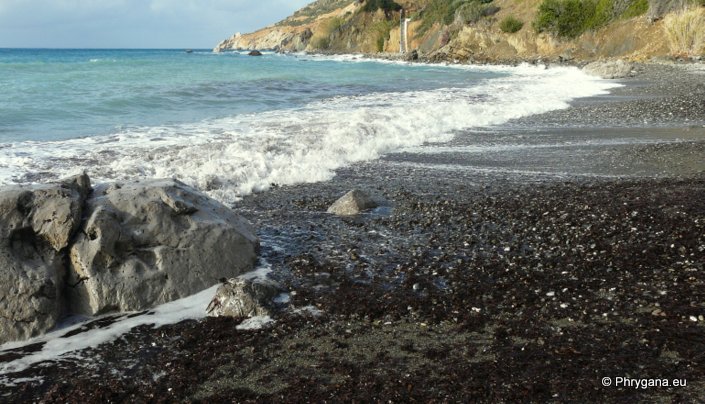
{"x": 520, "y": 263}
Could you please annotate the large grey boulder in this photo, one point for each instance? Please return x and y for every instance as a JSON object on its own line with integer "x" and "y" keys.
{"x": 243, "y": 298}
{"x": 612, "y": 69}
{"x": 151, "y": 242}
{"x": 352, "y": 203}
{"x": 36, "y": 226}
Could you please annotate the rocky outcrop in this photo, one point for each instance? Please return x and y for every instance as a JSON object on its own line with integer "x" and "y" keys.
{"x": 120, "y": 247}
{"x": 613, "y": 69}
{"x": 242, "y": 298}
{"x": 37, "y": 225}
{"x": 280, "y": 39}
{"x": 151, "y": 242}
{"x": 659, "y": 8}
{"x": 352, "y": 203}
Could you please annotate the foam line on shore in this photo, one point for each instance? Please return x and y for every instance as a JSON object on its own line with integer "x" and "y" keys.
{"x": 58, "y": 347}
{"x": 493, "y": 148}
{"x": 523, "y": 173}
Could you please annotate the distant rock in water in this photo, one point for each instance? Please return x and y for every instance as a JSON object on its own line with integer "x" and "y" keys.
{"x": 255, "y": 53}
{"x": 36, "y": 224}
{"x": 614, "y": 69}
{"x": 122, "y": 247}
{"x": 240, "y": 298}
{"x": 352, "y": 203}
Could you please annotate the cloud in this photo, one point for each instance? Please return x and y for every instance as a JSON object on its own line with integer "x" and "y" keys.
{"x": 134, "y": 23}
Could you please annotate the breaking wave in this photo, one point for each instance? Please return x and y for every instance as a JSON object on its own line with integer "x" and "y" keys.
{"x": 232, "y": 157}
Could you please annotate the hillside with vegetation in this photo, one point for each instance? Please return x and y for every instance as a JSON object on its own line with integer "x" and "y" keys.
{"x": 490, "y": 30}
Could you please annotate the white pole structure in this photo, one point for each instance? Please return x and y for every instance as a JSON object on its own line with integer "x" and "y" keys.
{"x": 402, "y": 34}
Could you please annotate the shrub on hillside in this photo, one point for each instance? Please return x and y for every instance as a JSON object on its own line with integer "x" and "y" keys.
{"x": 470, "y": 13}
{"x": 510, "y": 25}
{"x": 386, "y": 5}
{"x": 603, "y": 12}
{"x": 570, "y": 18}
{"x": 322, "y": 38}
{"x": 685, "y": 31}
{"x": 381, "y": 31}
{"x": 636, "y": 8}
{"x": 442, "y": 12}
{"x": 565, "y": 18}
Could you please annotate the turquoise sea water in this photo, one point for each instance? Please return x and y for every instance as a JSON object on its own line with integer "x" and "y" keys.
{"x": 59, "y": 94}
{"x": 230, "y": 124}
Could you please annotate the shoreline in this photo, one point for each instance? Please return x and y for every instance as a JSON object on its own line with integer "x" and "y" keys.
{"x": 537, "y": 60}
{"x": 517, "y": 274}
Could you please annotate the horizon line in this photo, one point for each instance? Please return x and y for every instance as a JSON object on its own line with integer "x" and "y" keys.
{"x": 99, "y": 48}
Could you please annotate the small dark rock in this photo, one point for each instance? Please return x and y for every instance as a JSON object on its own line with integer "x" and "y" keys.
{"x": 412, "y": 56}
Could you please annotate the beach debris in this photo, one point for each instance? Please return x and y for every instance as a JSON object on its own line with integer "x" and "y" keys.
{"x": 352, "y": 203}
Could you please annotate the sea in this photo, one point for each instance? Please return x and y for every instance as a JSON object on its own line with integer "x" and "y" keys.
{"x": 230, "y": 124}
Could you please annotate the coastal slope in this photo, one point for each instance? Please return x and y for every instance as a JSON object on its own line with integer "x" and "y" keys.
{"x": 489, "y": 30}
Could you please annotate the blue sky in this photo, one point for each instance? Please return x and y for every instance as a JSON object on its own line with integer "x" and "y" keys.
{"x": 134, "y": 23}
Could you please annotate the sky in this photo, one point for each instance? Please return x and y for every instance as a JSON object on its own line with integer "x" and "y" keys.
{"x": 134, "y": 23}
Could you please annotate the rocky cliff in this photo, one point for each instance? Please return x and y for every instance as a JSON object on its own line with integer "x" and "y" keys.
{"x": 490, "y": 30}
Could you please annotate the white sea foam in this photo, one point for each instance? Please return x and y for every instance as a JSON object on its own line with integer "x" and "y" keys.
{"x": 232, "y": 157}
{"x": 493, "y": 148}
{"x": 465, "y": 168}
{"x": 58, "y": 348}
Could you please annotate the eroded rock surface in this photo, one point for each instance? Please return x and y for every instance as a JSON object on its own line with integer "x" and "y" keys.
{"x": 151, "y": 242}
{"x": 36, "y": 224}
